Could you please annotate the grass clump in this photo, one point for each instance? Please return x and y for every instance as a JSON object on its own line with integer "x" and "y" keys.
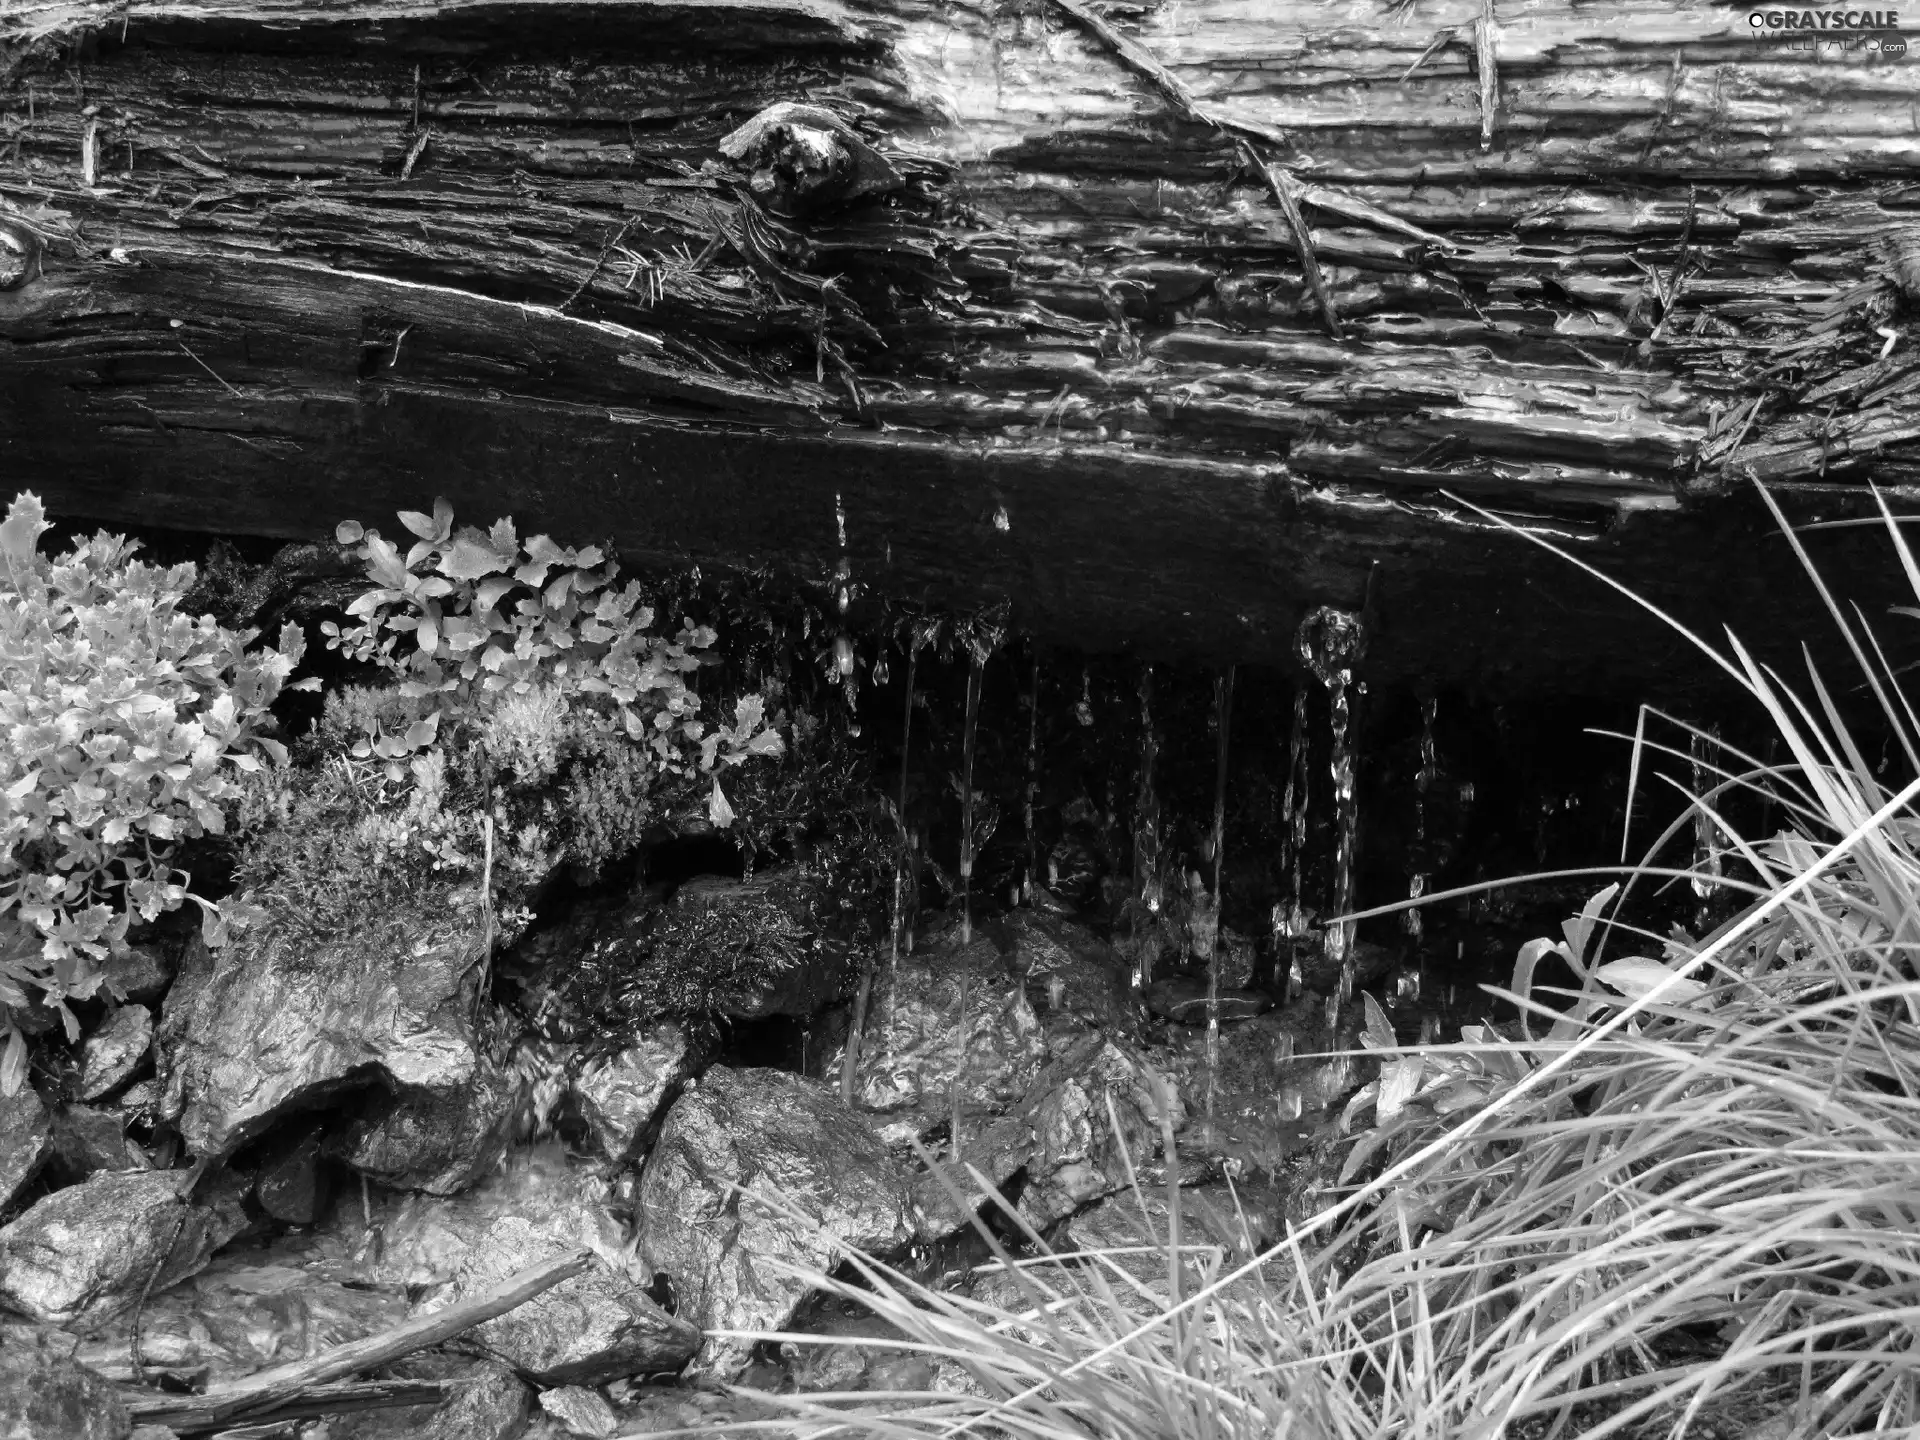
{"x": 1680, "y": 1197}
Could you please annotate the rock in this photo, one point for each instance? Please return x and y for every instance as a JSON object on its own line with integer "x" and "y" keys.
{"x": 996, "y": 1151}
{"x": 272, "y": 1023}
{"x": 621, "y": 1097}
{"x": 291, "y": 1186}
{"x": 493, "y": 1405}
{"x": 1079, "y": 1154}
{"x": 47, "y": 1396}
{"x": 1059, "y": 958}
{"x": 138, "y": 974}
{"x": 439, "y": 1141}
{"x": 82, "y": 1255}
{"x": 799, "y": 1142}
{"x": 913, "y": 1046}
{"x": 139, "y": 1103}
{"x": 114, "y": 1052}
{"x": 250, "y": 1308}
{"x": 88, "y": 1140}
{"x": 26, "y": 1140}
{"x": 592, "y": 1328}
{"x": 1184, "y": 1001}
{"x": 580, "y": 1411}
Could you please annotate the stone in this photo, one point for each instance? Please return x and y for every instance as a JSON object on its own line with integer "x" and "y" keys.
{"x": 138, "y": 974}
{"x": 440, "y": 1141}
{"x": 88, "y": 1140}
{"x": 822, "y": 1182}
{"x": 111, "y": 1054}
{"x": 273, "y": 1022}
{"x": 48, "y": 1396}
{"x": 82, "y": 1256}
{"x": 913, "y": 1049}
{"x": 291, "y": 1184}
{"x": 1079, "y": 1152}
{"x": 1183, "y": 1001}
{"x": 580, "y": 1411}
{"x": 251, "y": 1307}
{"x": 621, "y": 1097}
{"x": 26, "y": 1140}
{"x": 947, "y": 1198}
{"x": 1060, "y": 959}
{"x": 493, "y": 1405}
{"x": 589, "y": 1329}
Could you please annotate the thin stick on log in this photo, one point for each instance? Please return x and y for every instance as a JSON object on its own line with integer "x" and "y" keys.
{"x": 268, "y": 1389}
{"x": 1487, "y": 63}
{"x": 189, "y": 1414}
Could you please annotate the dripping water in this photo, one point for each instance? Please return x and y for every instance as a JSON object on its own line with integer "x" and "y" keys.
{"x": 1706, "y": 850}
{"x": 1146, "y": 835}
{"x": 901, "y": 855}
{"x": 1330, "y": 642}
{"x": 1222, "y": 726}
{"x": 1288, "y": 921}
{"x": 982, "y": 638}
{"x": 840, "y": 670}
{"x": 1033, "y": 782}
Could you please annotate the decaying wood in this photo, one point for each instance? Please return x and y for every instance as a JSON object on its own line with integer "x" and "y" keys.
{"x": 190, "y": 1415}
{"x": 1598, "y": 268}
{"x": 303, "y": 1383}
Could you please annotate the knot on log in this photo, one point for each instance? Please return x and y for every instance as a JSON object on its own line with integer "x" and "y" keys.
{"x": 19, "y": 254}
{"x": 803, "y": 158}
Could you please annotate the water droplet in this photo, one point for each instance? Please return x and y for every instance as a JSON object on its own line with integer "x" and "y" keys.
{"x": 1001, "y": 520}
{"x": 843, "y": 655}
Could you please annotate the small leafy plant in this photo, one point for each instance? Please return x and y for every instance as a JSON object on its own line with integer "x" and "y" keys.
{"x": 129, "y": 726}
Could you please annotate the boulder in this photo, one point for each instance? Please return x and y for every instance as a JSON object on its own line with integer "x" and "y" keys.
{"x": 112, "y": 1053}
{"x": 621, "y": 1097}
{"x": 1070, "y": 972}
{"x": 592, "y": 1328}
{"x": 821, "y": 1183}
{"x": 83, "y": 1255}
{"x": 494, "y": 1405}
{"x": 274, "y": 1022}
{"x": 138, "y": 974}
{"x": 1080, "y": 1152}
{"x": 580, "y": 1411}
{"x": 947, "y": 1197}
{"x": 26, "y": 1139}
{"x": 440, "y": 1141}
{"x": 914, "y": 1045}
{"x": 45, "y": 1395}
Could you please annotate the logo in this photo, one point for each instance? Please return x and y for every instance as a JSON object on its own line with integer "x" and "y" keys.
{"x": 1874, "y": 31}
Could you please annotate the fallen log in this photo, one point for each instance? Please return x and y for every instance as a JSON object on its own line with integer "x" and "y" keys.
{"x": 1002, "y": 285}
{"x": 283, "y": 1388}
{"x": 187, "y": 1415}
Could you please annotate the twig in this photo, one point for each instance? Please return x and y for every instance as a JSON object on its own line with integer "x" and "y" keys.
{"x": 414, "y": 152}
{"x": 1280, "y": 183}
{"x": 486, "y": 910}
{"x": 1440, "y": 42}
{"x": 140, "y": 1305}
{"x": 345, "y": 1398}
{"x": 599, "y": 260}
{"x": 276, "y": 1387}
{"x": 206, "y": 367}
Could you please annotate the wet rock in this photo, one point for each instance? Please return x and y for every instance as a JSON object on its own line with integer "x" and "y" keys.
{"x": 1183, "y": 1001}
{"x": 621, "y": 1097}
{"x": 947, "y": 1197}
{"x": 271, "y": 1023}
{"x": 82, "y": 1255}
{"x": 1070, "y": 971}
{"x": 803, "y": 157}
{"x": 1080, "y": 1152}
{"x": 493, "y": 1405}
{"x": 250, "y": 1308}
{"x": 291, "y": 1185}
{"x": 26, "y": 1140}
{"x": 138, "y": 974}
{"x": 594, "y": 1327}
{"x": 580, "y": 1411}
{"x": 440, "y": 1141}
{"x": 139, "y": 1103}
{"x": 47, "y": 1396}
{"x": 114, "y": 1052}
{"x": 914, "y": 1046}
{"x": 788, "y": 1137}
{"x": 88, "y": 1140}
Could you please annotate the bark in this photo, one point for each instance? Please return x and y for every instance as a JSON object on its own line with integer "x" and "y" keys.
{"x": 1015, "y": 287}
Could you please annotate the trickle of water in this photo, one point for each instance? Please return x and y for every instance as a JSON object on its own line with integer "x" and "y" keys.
{"x": 1222, "y": 728}
{"x": 1330, "y": 643}
{"x": 1706, "y": 850}
{"x": 1083, "y": 712}
{"x": 1033, "y": 780}
{"x": 1423, "y": 779}
{"x": 1288, "y": 922}
{"x": 975, "y": 670}
{"x": 1146, "y": 827}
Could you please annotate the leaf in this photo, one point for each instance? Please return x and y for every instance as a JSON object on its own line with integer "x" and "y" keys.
{"x": 1379, "y": 1032}
{"x": 718, "y": 810}
{"x": 472, "y": 556}
{"x": 422, "y": 733}
{"x": 349, "y": 532}
{"x": 20, "y": 533}
{"x": 13, "y": 1063}
{"x": 1638, "y": 976}
{"x": 1399, "y": 1082}
{"x": 1579, "y": 932}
